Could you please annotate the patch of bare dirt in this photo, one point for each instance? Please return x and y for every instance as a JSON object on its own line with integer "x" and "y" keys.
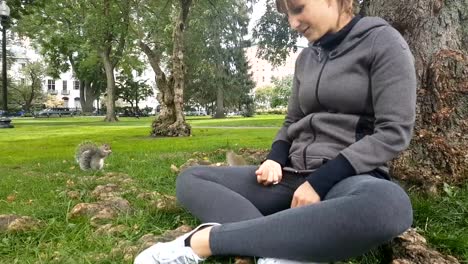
{"x": 16, "y": 223}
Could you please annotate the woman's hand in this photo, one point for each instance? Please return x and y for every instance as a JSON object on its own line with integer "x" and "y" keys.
{"x": 304, "y": 195}
{"x": 269, "y": 172}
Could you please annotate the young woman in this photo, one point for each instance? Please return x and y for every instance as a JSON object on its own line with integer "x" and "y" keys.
{"x": 324, "y": 193}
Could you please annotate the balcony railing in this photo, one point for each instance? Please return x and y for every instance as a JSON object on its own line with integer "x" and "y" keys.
{"x": 65, "y": 92}
{"x": 52, "y": 92}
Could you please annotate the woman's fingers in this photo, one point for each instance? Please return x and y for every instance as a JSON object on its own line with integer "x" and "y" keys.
{"x": 269, "y": 173}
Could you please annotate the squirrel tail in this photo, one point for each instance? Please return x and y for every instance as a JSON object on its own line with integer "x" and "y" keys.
{"x": 82, "y": 147}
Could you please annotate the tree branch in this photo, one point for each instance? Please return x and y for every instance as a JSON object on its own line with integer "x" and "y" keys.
{"x": 154, "y": 58}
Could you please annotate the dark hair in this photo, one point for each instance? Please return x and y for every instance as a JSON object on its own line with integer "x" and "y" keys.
{"x": 344, "y": 6}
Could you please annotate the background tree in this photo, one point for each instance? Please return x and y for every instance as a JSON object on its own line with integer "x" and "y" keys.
{"x": 163, "y": 38}
{"x": 275, "y": 95}
{"x": 274, "y": 37}
{"x": 437, "y": 33}
{"x": 20, "y": 8}
{"x": 57, "y": 30}
{"x": 132, "y": 91}
{"x": 264, "y": 97}
{"x": 281, "y": 91}
{"x": 107, "y": 27}
{"x": 28, "y": 91}
{"x": 217, "y": 66}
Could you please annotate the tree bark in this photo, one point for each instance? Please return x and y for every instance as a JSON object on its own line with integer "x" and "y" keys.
{"x": 171, "y": 120}
{"x": 110, "y": 100}
{"x": 219, "y": 103}
{"x": 88, "y": 94}
{"x": 32, "y": 95}
{"x": 436, "y": 31}
{"x": 111, "y": 62}
{"x": 411, "y": 248}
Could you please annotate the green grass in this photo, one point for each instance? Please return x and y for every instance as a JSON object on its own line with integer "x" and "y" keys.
{"x": 443, "y": 220}
{"x": 258, "y": 121}
{"x": 37, "y": 161}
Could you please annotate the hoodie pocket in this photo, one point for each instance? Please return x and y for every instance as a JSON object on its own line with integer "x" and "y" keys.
{"x": 314, "y": 162}
{"x": 309, "y": 164}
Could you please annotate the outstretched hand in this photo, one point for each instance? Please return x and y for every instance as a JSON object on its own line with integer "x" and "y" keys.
{"x": 269, "y": 172}
{"x": 304, "y": 195}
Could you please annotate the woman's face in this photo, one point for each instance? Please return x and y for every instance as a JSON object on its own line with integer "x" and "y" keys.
{"x": 313, "y": 18}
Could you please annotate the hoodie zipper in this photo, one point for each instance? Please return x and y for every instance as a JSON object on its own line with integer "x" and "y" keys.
{"x": 314, "y": 133}
{"x": 319, "y": 77}
{"x": 304, "y": 152}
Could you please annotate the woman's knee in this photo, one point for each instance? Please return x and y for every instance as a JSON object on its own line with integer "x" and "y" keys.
{"x": 392, "y": 207}
{"x": 186, "y": 182}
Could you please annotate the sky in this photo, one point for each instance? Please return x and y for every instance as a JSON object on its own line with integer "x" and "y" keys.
{"x": 258, "y": 11}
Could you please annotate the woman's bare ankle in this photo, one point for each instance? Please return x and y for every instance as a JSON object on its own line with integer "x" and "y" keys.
{"x": 200, "y": 242}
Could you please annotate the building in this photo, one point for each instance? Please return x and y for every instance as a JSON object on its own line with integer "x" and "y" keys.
{"x": 263, "y": 72}
{"x": 66, "y": 88}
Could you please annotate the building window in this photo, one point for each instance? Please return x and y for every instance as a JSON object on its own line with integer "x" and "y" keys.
{"x": 51, "y": 85}
{"x": 77, "y": 102}
{"x": 65, "y": 101}
{"x": 64, "y": 87}
{"x": 76, "y": 85}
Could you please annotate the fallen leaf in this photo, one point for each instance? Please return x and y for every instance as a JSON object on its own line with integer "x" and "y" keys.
{"x": 70, "y": 183}
{"x": 174, "y": 168}
{"x": 11, "y": 198}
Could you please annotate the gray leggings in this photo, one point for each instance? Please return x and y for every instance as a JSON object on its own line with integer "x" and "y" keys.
{"x": 358, "y": 214}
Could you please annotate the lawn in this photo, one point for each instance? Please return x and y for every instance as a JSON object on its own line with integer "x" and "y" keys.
{"x": 37, "y": 168}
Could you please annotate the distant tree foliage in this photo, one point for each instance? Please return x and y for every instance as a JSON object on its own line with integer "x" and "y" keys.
{"x": 132, "y": 91}
{"x": 273, "y": 36}
{"x": 26, "y": 92}
{"x": 275, "y": 95}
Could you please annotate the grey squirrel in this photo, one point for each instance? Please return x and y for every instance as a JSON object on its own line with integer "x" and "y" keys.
{"x": 235, "y": 160}
{"x": 91, "y": 156}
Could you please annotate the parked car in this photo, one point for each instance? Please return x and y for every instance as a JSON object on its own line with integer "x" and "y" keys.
{"x": 195, "y": 113}
{"x": 57, "y": 111}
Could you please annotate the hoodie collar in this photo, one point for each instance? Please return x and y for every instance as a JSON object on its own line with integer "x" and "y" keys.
{"x": 354, "y": 35}
{"x": 330, "y": 41}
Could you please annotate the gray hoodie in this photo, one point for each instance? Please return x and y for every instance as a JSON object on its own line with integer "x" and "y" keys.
{"x": 357, "y": 100}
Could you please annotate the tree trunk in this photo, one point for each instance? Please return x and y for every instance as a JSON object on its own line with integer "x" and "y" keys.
{"x": 219, "y": 103}
{"x": 437, "y": 32}
{"x": 88, "y": 94}
{"x": 110, "y": 100}
{"x": 171, "y": 121}
{"x": 30, "y": 98}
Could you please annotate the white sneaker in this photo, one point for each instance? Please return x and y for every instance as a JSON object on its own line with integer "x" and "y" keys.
{"x": 281, "y": 261}
{"x": 174, "y": 252}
